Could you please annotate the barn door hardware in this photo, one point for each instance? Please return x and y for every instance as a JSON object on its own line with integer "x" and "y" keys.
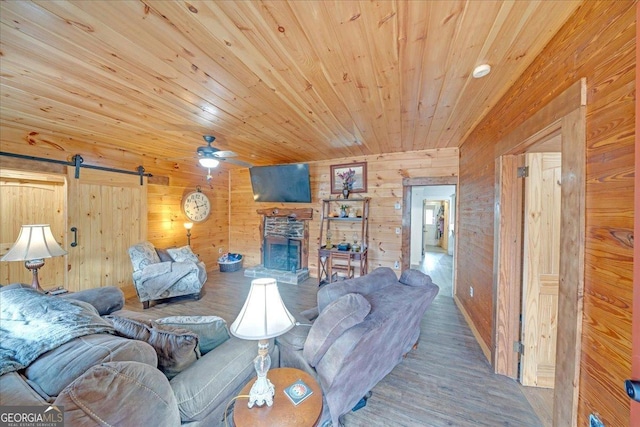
{"x": 77, "y": 163}
{"x": 74, "y": 230}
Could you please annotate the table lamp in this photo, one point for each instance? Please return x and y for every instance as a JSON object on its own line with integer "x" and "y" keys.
{"x": 35, "y": 242}
{"x": 262, "y": 317}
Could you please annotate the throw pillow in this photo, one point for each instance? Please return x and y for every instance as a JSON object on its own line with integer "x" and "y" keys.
{"x": 176, "y": 348}
{"x": 182, "y": 254}
{"x": 342, "y": 314}
{"x": 142, "y": 255}
{"x": 164, "y": 256}
{"x": 211, "y": 330}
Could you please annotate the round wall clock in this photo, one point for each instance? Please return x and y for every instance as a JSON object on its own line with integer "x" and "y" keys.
{"x": 196, "y": 206}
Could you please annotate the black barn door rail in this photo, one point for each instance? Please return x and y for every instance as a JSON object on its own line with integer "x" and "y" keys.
{"x": 77, "y": 162}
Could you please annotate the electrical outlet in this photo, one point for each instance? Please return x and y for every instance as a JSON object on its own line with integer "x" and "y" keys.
{"x": 396, "y": 265}
{"x": 594, "y": 421}
{"x": 471, "y": 291}
{"x": 398, "y": 230}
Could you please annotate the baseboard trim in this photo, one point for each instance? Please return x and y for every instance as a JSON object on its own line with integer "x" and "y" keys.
{"x": 474, "y": 331}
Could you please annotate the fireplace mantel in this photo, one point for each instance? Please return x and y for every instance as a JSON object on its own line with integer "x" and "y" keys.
{"x": 305, "y": 214}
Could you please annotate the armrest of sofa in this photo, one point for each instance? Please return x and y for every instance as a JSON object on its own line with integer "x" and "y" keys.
{"x": 106, "y": 299}
{"x": 204, "y": 388}
{"x": 378, "y": 279}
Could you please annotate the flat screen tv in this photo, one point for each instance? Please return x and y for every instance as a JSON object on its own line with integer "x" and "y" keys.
{"x": 281, "y": 183}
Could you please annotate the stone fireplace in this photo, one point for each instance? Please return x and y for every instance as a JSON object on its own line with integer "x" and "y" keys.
{"x": 285, "y": 245}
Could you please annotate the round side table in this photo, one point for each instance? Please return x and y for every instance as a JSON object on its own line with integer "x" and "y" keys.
{"x": 283, "y": 413}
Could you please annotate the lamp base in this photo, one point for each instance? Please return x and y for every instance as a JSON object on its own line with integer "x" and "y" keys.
{"x": 262, "y": 390}
{"x": 34, "y": 265}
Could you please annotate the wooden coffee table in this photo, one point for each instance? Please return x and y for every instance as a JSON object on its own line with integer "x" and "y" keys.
{"x": 283, "y": 412}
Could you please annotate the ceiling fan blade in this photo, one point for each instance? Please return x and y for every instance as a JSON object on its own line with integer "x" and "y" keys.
{"x": 225, "y": 154}
{"x": 236, "y": 162}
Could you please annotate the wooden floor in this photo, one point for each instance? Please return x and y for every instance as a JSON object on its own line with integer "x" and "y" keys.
{"x": 446, "y": 381}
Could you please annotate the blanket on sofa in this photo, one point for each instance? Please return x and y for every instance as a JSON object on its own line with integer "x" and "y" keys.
{"x": 32, "y": 324}
{"x": 157, "y": 278}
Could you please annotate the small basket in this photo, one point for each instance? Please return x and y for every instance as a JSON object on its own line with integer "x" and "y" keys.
{"x": 230, "y": 263}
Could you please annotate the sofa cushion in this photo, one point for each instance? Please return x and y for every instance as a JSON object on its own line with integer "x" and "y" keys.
{"x": 333, "y": 321}
{"x": 414, "y": 278}
{"x": 211, "y": 330}
{"x": 56, "y": 369}
{"x": 108, "y": 395}
{"x": 143, "y": 254}
{"x": 183, "y": 254}
{"x": 176, "y": 348}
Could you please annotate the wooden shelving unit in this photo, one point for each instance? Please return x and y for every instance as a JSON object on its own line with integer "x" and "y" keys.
{"x": 343, "y": 228}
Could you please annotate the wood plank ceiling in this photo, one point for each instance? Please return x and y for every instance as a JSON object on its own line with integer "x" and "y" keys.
{"x": 274, "y": 81}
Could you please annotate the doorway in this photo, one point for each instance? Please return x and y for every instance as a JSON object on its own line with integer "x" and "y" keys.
{"x": 560, "y": 123}
{"x": 431, "y": 215}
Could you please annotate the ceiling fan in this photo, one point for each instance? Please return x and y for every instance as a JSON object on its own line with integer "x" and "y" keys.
{"x": 210, "y": 156}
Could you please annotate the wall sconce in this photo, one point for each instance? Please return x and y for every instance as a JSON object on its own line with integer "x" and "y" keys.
{"x": 188, "y": 226}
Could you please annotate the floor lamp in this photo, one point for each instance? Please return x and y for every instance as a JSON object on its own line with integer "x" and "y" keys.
{"x": 35, "y": 242}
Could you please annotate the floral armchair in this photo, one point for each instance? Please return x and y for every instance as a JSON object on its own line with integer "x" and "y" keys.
{"x": 165, "y": 273}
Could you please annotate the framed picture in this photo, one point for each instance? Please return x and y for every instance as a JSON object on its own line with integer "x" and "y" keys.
{"x": 358, "y": 173}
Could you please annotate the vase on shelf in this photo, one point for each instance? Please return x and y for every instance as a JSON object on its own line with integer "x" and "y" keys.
{"x": 345, "y": 190}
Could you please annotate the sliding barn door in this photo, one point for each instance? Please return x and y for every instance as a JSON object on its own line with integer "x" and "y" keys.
{"x": 109, "y": 212}
{"x": 32, "y": 198}
{"x": 541, "y": 245}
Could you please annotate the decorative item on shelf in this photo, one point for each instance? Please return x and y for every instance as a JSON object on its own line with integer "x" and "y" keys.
{"x": 352, "y": 213}
{"x": 262, "y": 317}
{"x": 345, "y": 190}
{"x": 329, "y": 245}
{"x": 35, "y": 242}
{"x": 343, "y": 211}
{"x": 355, "y": 247}
{"x": 188, "y": 226}
{"x": 344, "y": 245}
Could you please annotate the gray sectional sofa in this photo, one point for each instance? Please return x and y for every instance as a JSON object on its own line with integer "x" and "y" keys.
{"x": 102, "y": 378}
{"x": 364, "y": 327}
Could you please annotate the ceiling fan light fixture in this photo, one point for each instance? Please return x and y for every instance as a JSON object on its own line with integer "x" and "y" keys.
{"x": 208, "y": 162}
{"x": 481, "y": 71}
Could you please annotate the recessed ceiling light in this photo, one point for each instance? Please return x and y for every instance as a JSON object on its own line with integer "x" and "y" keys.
{"x": 481, "y": 70}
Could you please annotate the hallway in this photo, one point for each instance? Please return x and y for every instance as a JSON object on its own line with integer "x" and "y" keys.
{"x": 438, "y": 264}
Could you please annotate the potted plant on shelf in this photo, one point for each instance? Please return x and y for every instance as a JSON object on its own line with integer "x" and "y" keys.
{"x": 343, "y": 211}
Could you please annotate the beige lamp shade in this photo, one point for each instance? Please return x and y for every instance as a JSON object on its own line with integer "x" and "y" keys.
{"x": 34, "y": 242}
{"x": 263, "y": 315}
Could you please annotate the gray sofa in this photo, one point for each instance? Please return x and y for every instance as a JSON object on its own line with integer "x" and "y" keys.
{"x": 364, "y": 327}
{"x": 104, "y": 379}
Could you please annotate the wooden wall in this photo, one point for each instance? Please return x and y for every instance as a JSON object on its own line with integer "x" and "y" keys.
{"x": 169, "y": 183}
{"x": 384, "y": 186}
{"x": 598, "y": 43}
{"x": 28, "y": 198}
